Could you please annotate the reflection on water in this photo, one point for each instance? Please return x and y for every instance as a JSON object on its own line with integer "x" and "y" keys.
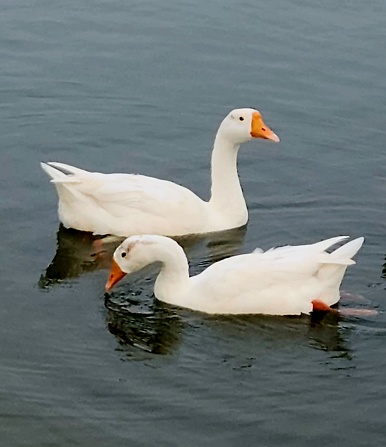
{"x": 321, "y": 330}
{"x": 143, "y": 324}
{"x": 326, "y": 333}
{"x": 139, "y": 321}
{"x": 78, "y": 252}
{"x": 384, "y": 269}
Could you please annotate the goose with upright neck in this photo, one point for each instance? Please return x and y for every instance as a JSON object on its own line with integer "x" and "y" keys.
{"x": 127, "y": 204}
{"x": 290, "y": 280}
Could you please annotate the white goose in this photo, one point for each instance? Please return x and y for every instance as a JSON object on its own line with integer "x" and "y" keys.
{"x": 289, "y": 280}
{"x": 126, "y": 204}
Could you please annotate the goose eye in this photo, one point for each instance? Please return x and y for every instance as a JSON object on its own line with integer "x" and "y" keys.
{"x": 123, "y": 254}
{"x": 241, "y": 118}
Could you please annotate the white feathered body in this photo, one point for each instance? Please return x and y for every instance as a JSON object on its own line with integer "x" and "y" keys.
{"x": 127, "y": 204}
{"x": 280, "y": 281}
{"x": 124, "y": 204}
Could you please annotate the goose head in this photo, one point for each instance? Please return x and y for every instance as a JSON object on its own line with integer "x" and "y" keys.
{"x": 241, "y": 125}
{"x": 136, "y": 252}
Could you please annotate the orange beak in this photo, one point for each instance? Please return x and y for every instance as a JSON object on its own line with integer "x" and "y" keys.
{"x": 260, "y": 130}
{"x": 116, "y": 275}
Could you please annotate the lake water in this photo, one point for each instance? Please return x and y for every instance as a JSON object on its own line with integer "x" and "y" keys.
{"x": 141, "y": 86}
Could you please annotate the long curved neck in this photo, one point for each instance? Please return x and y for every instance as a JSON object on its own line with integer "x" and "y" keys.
{"x": 226, "y": 193}
{"x": 172, "y": 282}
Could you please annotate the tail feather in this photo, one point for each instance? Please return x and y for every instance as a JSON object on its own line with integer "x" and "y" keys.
{"x": 342, "y": 255}
{"x": 327, "y": 243}
{"x": 58, "y": 176}
{"x": 334, "y": 267}
{"x": 317, "y": 248}
{"x": 347, "y": 251}
{"x": 53, "y": 173}
{"x": 67, "y": 168}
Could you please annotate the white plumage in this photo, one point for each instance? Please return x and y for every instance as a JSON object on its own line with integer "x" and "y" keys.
{"x": 126, "y": 204}
{"x": 280, "y": 281}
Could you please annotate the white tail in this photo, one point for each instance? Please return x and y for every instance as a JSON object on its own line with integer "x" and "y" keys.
{"x": 69, "y": 169}
{"x": 52, "y": 172}
{"x": 345, "y": 253}
{"x": 335, "y": 264}
{"x": 58, "y": 176}
{"x": 327, "y": 243}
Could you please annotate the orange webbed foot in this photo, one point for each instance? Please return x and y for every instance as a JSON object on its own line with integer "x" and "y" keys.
{"x": 320, "y": 306}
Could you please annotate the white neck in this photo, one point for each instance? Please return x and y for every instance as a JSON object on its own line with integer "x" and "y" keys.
{"x": 226, "y": 193}
{"x": 172, "y": 282}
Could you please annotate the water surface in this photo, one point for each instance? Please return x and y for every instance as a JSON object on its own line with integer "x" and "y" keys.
{"x": 141, "y": 86}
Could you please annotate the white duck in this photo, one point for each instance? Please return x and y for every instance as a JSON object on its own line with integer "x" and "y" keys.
{"x": 126, "y": 204}
{"x": 289, "y": 280}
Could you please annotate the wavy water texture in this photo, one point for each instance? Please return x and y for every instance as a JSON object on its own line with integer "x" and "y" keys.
{"x": 141, "y": 87}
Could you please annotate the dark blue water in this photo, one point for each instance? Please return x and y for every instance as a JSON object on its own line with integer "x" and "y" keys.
{"x": 141, "y": 87}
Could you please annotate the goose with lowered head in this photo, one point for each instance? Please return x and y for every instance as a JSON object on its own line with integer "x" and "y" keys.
{"x": 290, "y": 280}
{"x": 127, "y": 204}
